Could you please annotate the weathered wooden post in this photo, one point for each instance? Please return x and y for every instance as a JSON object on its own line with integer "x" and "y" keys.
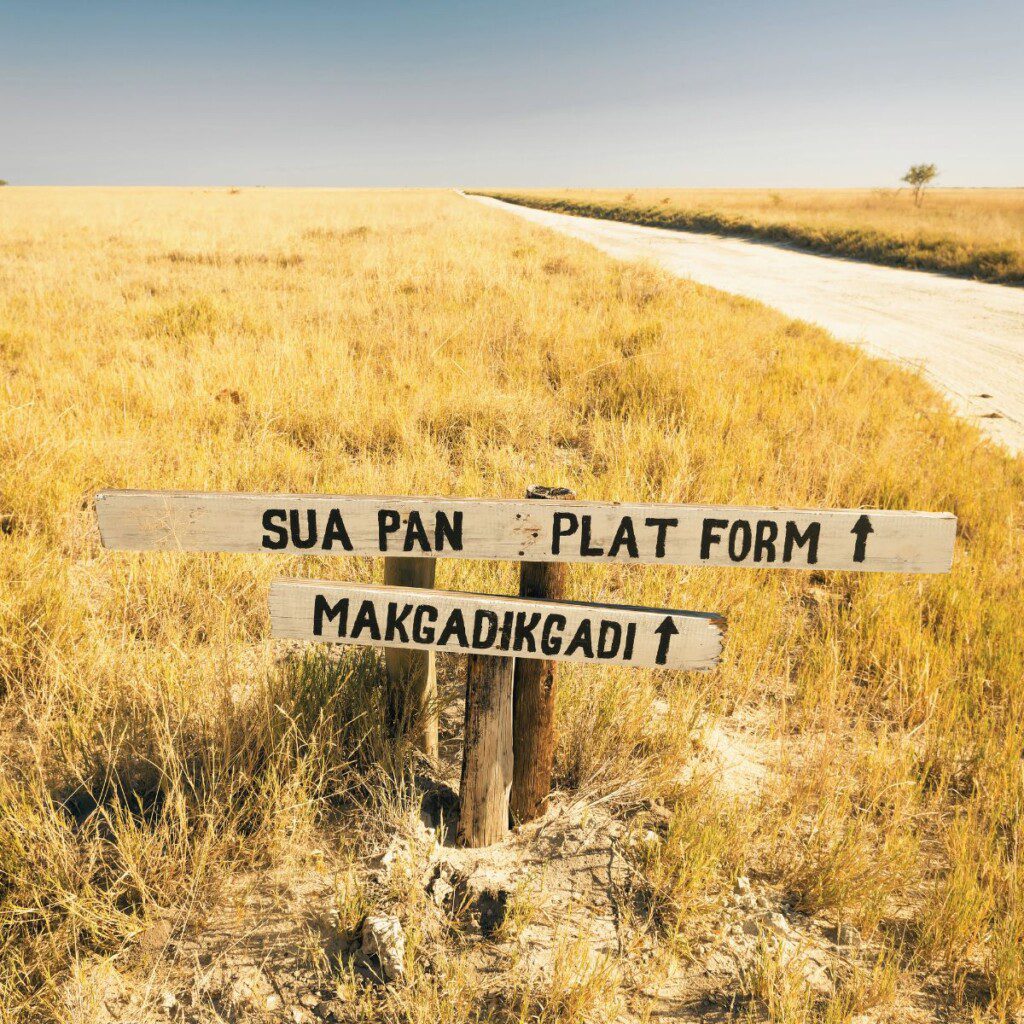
{"x": 487, "y": 758}
{"x": 412, "y": 677}
{"x": 533, "y": 700}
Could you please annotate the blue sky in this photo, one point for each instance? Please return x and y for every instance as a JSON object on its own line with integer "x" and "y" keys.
{"x": 589, "y": 94}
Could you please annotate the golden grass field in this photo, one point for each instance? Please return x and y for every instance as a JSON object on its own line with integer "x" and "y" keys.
{"x": 158, "y": 750}
{"x": 975, "y": 233}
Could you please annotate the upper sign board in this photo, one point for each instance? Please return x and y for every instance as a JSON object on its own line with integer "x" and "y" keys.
{"x": 524, "y": 530}
{"x": 512, "y": 627}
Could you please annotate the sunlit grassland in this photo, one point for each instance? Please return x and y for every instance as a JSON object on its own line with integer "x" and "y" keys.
{"x": 411, "y": 342}
{"x": 975, "y": 233}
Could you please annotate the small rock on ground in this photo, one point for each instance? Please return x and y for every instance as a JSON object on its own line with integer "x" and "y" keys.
{"x": 382, "y": 937}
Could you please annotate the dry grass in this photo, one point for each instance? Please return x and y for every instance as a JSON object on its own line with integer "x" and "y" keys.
{"x": 968, "y": 232}
{"x": 154, "y": 744}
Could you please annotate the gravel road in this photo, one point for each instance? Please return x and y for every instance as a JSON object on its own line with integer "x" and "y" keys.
{"x": 968, "y": 337}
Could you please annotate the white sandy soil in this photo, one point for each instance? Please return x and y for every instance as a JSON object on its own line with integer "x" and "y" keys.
{"x": 966, "y": 336}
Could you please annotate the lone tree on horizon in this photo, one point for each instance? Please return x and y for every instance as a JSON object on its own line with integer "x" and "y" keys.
{"x": 919, "y": 177}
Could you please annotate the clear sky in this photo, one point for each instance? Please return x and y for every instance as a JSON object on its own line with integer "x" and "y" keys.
{"x": 554, "y": 93}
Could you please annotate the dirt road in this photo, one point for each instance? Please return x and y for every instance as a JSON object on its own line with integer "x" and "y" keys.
{"x": 968, "y": 337}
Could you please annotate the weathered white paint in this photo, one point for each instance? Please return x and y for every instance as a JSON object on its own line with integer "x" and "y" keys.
{"x": 318, "y": 610}
{"x": 538, "y": 531}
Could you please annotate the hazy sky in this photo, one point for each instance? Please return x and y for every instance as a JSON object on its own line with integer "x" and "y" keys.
{"x": 312, "y": 93}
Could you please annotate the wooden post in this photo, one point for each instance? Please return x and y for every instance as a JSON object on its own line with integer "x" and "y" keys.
{"x": 533, "y": 702}
{"x": 487, "y": 755}
{"x": 412, "y": 679}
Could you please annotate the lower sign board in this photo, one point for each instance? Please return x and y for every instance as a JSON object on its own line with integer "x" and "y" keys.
{"x": 538, "y": 531}
{"x": 440, "y": 620}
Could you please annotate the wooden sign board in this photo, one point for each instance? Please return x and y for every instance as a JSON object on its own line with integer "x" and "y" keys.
{"x": 440, "y": 620}
{"x": 536, "y": 531}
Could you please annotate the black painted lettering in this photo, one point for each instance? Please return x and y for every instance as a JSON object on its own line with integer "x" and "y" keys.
{"x": 297, "y": 539}
{"x": 323, "y": 608}
{"x": 448, "y": 532}
{"x": 586, "y": 548}
{"x": 335, "y": 531}
{"x": 624, "y": 536}
{"x": 280, "y": 538}
{"x": 627, "y": 651}
{"x": 415, "y": 533}
{"x": 455, "y": 626}
{"x": 549, "y": 642}
{"x": 388, "y": 521}
{"x": 564, "y": 524}
{"x": 582, "y": 640}
{"x": 484, "y": 618}
{"x": 422, "y": 634}
{"x": 796, "y": 539}
{"x": 366, "y": 619}
{"x": 740, "y": 539}
{"x": 764, "y": 540}
{"x": 394, "y": 628}
{"x": 708, "y": 536}
{"x": 609, "y": 638}
{"x": 524, "y": 631}
{"x": 663, "y": 526}
{"x": 506, "y": 630}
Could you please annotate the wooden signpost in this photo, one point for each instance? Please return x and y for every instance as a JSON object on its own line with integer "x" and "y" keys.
{"x": 523, "y": 530}
{"x": 493, "y": 631}
{"x": 535, "y": 689}
{"x": 412, "y": 676}
{"x": 444, "y": 620}
{"x": 512, "y": 644}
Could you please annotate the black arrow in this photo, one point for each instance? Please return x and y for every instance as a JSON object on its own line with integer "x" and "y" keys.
{"x": 665, "y": 631}
{"x": 861, "y": 528}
